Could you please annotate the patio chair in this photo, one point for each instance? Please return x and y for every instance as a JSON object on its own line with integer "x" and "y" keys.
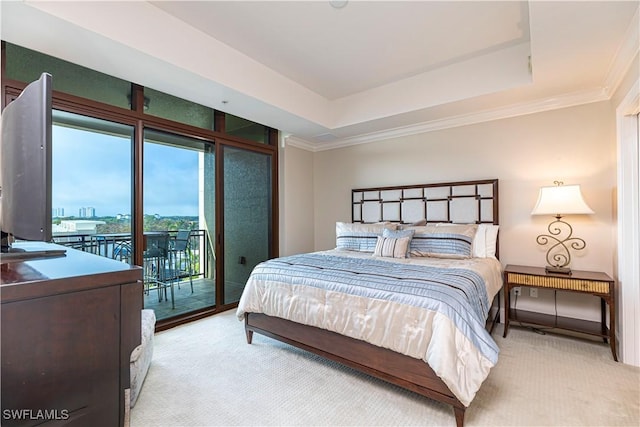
{"x": 158, "y": 272}
{"x": 122, "y": 251}
{"x": 180, "y": 254}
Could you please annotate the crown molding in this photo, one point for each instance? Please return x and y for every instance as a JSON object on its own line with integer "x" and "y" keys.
{"x": 624, "y": 56}
{"x": 567, "y": 100}
{"x": 301, "y": 143}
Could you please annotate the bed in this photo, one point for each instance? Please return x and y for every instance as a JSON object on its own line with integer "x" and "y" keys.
{"x": 409, "y": 295}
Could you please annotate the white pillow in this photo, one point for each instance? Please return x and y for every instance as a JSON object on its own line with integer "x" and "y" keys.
{"x": 485, "y": 241}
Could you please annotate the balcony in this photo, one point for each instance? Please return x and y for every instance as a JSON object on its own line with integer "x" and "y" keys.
{"x": 170, "y": 275}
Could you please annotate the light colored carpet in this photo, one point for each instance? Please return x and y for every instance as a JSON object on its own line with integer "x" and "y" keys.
{"x": 205, "y": 374}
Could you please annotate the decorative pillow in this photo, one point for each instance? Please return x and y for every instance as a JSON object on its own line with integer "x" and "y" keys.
{"x": 443, "y": 241}
{"x": 484, "y": 244}
{"x": 359, "y": 237}
{"x": 397, "y": 234}
{"x": 392, "y": 247}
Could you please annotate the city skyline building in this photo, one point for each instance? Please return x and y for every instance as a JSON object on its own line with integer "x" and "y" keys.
{"x": 87, "y": 212}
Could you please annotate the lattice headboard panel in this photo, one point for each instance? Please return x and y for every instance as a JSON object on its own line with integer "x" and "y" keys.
{"x": 455, "y": 202}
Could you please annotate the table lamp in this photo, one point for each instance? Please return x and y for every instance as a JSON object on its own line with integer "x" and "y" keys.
{"x": 559, "y": 200}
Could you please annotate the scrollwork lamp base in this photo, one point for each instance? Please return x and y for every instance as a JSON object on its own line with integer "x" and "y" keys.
{"x": 558, "y": 255}
{"x": 549, "y": 269}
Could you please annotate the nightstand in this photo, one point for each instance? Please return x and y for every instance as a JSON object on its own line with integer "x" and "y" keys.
{"x": 584, "y": 282}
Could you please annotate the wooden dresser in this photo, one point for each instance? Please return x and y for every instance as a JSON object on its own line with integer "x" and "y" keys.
{"x": 69, "y": 325}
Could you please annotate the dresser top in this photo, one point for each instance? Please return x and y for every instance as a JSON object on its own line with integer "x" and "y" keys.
{"x": 74, "y": 271}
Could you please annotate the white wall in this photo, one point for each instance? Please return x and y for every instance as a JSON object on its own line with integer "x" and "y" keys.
{"x": 296, "y": 201}
{"x": 576, "y": 145}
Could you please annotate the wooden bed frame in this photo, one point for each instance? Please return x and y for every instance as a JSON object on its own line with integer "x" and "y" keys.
{"x": 404, "y": 371}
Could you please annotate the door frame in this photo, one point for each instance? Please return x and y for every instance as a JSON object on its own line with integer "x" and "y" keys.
{"x": 628, "y": 205}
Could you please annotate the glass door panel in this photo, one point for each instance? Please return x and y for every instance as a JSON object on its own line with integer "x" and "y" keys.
{"x": 247, "y": 216}
{"x": 179, "y": 224}
{"x": 92, "y": 185}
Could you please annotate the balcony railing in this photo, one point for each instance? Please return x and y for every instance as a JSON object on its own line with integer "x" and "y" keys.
{"x": 118, "y": 246}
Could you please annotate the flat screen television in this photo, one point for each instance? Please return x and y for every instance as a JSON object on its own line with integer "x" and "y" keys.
{"x": 25, "y": 175}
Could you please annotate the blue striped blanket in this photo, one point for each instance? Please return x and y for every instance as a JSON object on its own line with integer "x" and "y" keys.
{"x": 458, "y": 293}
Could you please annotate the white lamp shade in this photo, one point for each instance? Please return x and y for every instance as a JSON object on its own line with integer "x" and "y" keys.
{"x": 561, "y": 200}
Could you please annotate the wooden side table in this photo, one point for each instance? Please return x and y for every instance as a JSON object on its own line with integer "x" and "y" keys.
{"x": 585, "y": 282}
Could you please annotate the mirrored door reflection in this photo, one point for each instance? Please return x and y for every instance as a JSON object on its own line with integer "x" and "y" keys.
{"x": 179, "y": 224}
{"x": 92, "y": 185}
{"x": 247, "y": 216}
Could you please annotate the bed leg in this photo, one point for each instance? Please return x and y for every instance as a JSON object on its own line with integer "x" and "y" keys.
{"x": 459, "y": 412}
{"x": 247, "y": 331}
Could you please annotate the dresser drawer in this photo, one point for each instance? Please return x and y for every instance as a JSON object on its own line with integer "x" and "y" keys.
{"x": 562, "y": 283}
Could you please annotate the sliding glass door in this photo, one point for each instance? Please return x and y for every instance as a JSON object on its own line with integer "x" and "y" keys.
{"x": 179, "y": 191}
{"x": 179, "y": 224}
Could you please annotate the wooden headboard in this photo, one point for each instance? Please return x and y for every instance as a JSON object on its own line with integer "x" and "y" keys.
{"x": 455, "y": 202}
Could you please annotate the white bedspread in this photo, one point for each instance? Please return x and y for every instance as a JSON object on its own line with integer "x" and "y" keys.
{"x": 414, "y": 331}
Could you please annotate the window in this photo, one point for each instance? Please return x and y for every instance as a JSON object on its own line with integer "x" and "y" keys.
{"x": 242, "y": 128}
{"x": 26, "y": 65}
{"x": 91, "y": 183}
{"x": 180, "y": 110}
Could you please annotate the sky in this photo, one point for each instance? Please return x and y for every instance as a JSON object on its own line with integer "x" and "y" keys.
{"x": 94, "y": 170}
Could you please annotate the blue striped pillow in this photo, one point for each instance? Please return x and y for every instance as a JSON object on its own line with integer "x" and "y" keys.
{"x": 359, "y": 237}
{"x": 454, "y": 241}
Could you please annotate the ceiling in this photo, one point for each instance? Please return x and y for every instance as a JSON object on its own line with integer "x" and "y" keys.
{"x": 334, "y": 76}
